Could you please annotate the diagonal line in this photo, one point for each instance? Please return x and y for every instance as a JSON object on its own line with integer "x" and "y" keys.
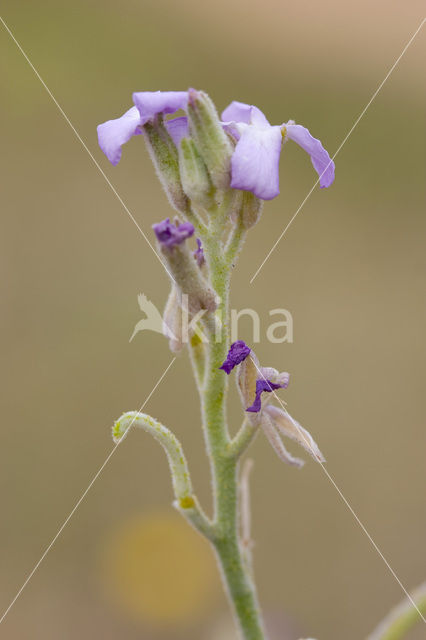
{"x": 86, "y": 148}
{"x": 333, "y": 482}
{"x": 340, "y": 146}
{"x": 78, "y": 503}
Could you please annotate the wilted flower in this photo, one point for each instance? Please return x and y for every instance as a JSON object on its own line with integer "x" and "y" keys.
{"x": 264, "y": 385}
{"x": 236, "y": 354}
{"x": 169, "y": 235}
{"x": 254, "y": 380}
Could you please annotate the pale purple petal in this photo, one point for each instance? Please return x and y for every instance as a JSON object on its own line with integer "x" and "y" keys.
{"x": 254, "y": 164}
{"x": 241, "y": 112}
{"x": 114, "y": 133}
{"x": 177, "y": 128}
{"x": 150, "y": 103}
{"x": 322, "y": 162}
{"x": 237, "y": 112}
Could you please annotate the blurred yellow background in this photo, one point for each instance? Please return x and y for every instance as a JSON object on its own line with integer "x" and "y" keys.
{"x": 350, "y": 270}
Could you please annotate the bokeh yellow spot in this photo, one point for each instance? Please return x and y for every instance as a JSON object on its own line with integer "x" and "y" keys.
{"x": 160, "y": 571}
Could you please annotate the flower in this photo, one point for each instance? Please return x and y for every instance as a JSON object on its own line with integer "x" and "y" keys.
{"x": 254, "y": 164}
{"x": 148, "y": 104}
{"x": 236, "y": 354}
{"x": 275, "y": 422}
{"x": 169, "y": 235}
{"x": 252, "y": 379}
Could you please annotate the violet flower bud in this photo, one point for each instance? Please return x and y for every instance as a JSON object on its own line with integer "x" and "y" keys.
{"x": 211, "y": 140}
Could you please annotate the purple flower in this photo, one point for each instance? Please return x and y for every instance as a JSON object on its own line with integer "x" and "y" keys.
{"x": 254, "y": 164}
{"x": 236, "y": 354}
{"x": 199, "y": 253}
{"x": 114, "y": 133}
{"x": 265, "y": 385}
{"x": 169, "y": 235}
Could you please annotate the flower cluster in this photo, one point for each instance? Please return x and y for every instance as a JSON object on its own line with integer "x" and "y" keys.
{"x": 255, "y": 144}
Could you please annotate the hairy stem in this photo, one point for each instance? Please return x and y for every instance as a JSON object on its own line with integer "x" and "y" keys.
{"x": 186, "y": 502}
{"x": 238, "y": 582}
{"x": 243, "y": 438}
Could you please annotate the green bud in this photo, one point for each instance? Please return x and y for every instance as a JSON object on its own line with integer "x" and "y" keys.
{"x": 194, "y": 175}
{"x": 165, "y": 159}
{"x": 213, "y": 143}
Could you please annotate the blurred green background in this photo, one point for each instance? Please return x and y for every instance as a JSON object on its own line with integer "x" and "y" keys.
{"x": 350, "y": 270}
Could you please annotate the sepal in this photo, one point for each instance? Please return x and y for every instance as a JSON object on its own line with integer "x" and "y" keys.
{"x": 195, "y": 179}
{"x": 164, "y": 156}
{"x": 214, "y": 145}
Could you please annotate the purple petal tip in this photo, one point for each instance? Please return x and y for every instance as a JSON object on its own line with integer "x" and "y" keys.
{"x": 236, "y": 354}
{"x": 261, "y": 386}
{"x": 170, "y": 235}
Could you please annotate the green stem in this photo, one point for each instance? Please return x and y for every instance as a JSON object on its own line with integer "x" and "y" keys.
{"x": 237, "y": 580}
{"x": 243, "y": 438}
{"x": 403, "y": 617}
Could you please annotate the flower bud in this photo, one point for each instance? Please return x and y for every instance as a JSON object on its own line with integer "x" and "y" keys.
{"x": 193, "y": 172}
{"x": 213, "y": 143}
{"x": 164, "y": 156}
